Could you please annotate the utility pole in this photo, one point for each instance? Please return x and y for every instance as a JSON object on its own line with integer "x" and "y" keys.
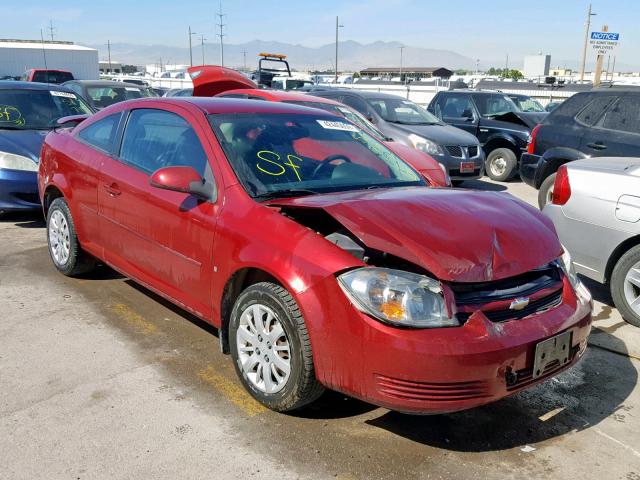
{"x": 587, "y": 25}
{"x": 202, "y": 39}
{"x": 506, "y": 67}
{"x": 51, "y": 29}
{"x": 401, "y": 49}
{"x": 613, "y": 68}
{"x": 337, "y": 27}
{"x": 477, "y": 66}
{"x": 109, "y": 53}
{"x": 599, "y": 60}
{"x": 190, "y": 47}
{"x": 244, "y": 60}
{"x": 221, "y": 25}
{"x": 606, "y": 73}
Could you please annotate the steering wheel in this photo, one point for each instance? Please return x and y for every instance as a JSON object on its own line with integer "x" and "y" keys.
{"x": 327, "y": 161}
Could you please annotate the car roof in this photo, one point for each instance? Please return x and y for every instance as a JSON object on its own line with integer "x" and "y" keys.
{"x": 216, "y": 105}
{"x": 13, "y": 85}
{"x": 280, "y": 95}
{"x": 104, "y": 83}
{"x": 358, "y": 93}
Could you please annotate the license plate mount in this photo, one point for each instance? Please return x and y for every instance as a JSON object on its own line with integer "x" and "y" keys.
{"x": 548, "y": 351}
{"x": 467, "y": 167}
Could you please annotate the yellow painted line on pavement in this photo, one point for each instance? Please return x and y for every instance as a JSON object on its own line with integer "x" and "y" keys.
{"x": 231, "y": 391}
{"x": 134, "y": 319}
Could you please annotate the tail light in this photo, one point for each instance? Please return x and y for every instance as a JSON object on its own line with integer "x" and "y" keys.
{"x": 561, "y": 187}
{"x": 532, "y": 139}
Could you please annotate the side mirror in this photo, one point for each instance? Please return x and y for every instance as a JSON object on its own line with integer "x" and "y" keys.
{"x": 182, "y": 179}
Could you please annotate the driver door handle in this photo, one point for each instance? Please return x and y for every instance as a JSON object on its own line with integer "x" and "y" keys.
{"x": 597, "y": 146}
{"x": 112, "y": 189}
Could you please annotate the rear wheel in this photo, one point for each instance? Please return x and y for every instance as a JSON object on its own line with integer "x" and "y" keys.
{"x": 625, "y": 286}
{"x": 545, "y": 193}
{"x": 271, "y": 350}
{"x": 501, "y": 164}
{"x": 64, "y": 248}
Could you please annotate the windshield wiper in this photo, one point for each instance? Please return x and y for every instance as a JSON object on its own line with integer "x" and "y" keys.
{"x": 291, "y": 192}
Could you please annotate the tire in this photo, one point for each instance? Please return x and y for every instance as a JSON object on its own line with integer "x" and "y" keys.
{"x": 64, "y": 248}
{"x": 625, "y": 286}
{"x": 546, "y": 189}
{"x": 501, "y": 164}
{"x": 277, "y": 390}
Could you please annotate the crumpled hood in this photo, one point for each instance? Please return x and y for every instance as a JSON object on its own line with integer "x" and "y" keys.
{"x": 457, "y": 235}
{"x": 526, "y": 119}
{"x": 23, "y": 142}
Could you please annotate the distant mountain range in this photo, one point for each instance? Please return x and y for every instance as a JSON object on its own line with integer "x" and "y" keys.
{"x": 352, "y": 56}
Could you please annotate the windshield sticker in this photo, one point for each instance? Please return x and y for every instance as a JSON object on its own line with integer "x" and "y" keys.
{"x": 276, "y": 168}
{"x": 330, "y": 125}
{"x": 10, "y": 114}
{"x": 57, "y": 93}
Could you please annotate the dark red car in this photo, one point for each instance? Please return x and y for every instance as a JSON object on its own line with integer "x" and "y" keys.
{"x": 46, "y": 76}
{"x": 318, "y": 253}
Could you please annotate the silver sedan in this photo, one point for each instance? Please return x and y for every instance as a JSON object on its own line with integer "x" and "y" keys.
{"x": 596, "y": 212}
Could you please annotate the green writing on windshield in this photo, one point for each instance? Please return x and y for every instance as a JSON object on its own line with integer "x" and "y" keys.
{"x": 10, "y": 114}
{"x": 270, "y": 164}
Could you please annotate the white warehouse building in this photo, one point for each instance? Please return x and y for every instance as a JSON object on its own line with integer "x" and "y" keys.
{"x": 17, "y": 56}
{"x": 536, "y": 65}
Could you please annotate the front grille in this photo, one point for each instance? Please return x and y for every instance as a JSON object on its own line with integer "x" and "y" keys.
{"x": 547, "y": 280}
{"x": 473, "y": 151}
{"x": 454, "y": 150}
{"x": 433, "y": 392}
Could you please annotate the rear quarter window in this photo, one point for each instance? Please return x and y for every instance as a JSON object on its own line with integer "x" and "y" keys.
{"x": 594, "y": 110}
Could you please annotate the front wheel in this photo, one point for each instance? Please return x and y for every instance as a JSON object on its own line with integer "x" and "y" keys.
{"x": 64, "y": 247}
{"x": 625, "y": 286}
{"x": 545, "y": 194}
{"x": 501, "y": 164}
{"x": 271, "y": 350}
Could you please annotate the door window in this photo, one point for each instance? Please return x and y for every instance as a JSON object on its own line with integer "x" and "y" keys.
{"x": 455, "y": 106}
{"x": 594, "y": 110}
{"x": 101, "y": 134}
{"x": 357, "y": 103}
{"x": 156, "y": 139}
{"x": 624, "y": 116}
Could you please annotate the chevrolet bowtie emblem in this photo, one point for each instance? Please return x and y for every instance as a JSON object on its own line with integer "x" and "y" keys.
{"x": 519, "y": 303}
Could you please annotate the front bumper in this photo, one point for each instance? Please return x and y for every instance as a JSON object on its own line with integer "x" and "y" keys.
{"x": 433, "y": 370}
{"x": 453, "y": 166}
{"x": 18, "y": 190}
{"x": 529, "y": 166}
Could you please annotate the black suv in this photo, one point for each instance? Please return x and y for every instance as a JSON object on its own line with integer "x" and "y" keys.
{"x": 503, "y": 130}
{"x": 597, "y": 123}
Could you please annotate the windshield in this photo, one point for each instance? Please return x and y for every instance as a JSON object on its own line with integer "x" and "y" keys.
{"x": 346, "y": 112}
{"x": 105, "y": 96}
{"x": 528, "y": 104}
{"x": 402, "y": 111}
{"x": 277, "y": 155}
{"x": 494, "y": 105}
{"x": 27, "y": 109}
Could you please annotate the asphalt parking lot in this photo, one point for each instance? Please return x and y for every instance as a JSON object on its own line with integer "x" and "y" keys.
{"x": 99, "y": 378}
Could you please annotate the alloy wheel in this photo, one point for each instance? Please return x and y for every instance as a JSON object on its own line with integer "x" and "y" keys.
{"x": 498, "y": 166}
{"x": 59, "y": 241}
{"x": 264, "y": 351}
{"x": 632, "y": 288}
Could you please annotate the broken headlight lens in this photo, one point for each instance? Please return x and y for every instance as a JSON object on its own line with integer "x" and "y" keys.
{"x": 567, "y": 267}
{"x": 397, "y": 297}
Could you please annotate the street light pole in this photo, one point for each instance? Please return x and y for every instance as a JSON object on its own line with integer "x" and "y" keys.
{"x": 190, "y": 48}
{"x": 587, "y": 25}
{"x": 109, "y": 53}
{"x": 202, "y": 39}
{"x": 401, "y": 49}
{"x": 337, "y": 27}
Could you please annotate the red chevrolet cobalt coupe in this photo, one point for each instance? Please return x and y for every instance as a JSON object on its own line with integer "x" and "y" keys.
{"x": 322, "y": 258}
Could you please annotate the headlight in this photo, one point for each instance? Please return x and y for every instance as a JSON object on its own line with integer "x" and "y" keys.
{"x": 11, "y": 161}
{"x": 567, "y": 266}
{"x": 447, "y": 178}
{"x": 425, "y": 145}
{"x": 397, "y": 297}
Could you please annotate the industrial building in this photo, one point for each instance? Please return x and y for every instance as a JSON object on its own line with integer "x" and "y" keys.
{"x": 536, "y": 66}
{"x": 415, "y": 73}
{"x": 17, "y": 56}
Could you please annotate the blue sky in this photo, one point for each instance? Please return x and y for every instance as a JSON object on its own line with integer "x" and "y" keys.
{"x": 487, "y": 30}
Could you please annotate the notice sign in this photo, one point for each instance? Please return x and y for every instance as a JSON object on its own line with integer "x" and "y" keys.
{"x": 604, "y": 43}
